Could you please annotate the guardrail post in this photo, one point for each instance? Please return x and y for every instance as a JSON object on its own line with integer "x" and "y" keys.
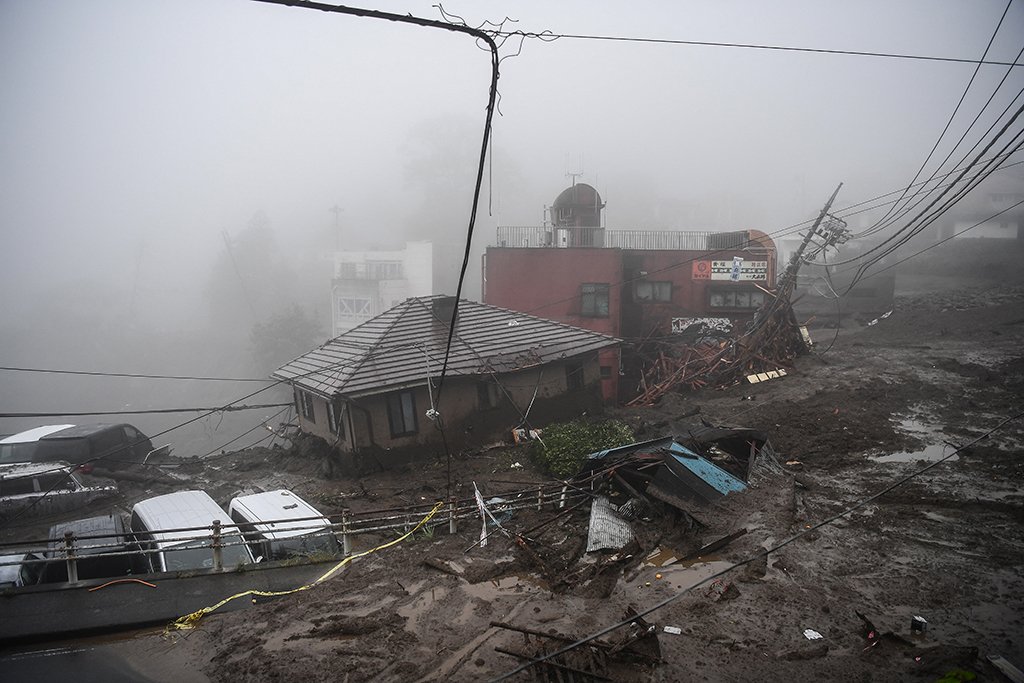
{"x": 540, "y": 499}
{"x": 561, "y": 501}
{"x": 218, "y": 554}
{"x": 452, "y": 525}
{"x": 346, "y": 539}
{"x": 69, "y": 552}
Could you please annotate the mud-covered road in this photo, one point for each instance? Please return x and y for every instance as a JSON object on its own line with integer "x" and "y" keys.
{"x": 882, "y": 403}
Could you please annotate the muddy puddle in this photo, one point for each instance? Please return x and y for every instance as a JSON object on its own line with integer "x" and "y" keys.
{"x": 664, "y": 567}
{"x": 513, "y": 583}
{"x": 936, "y": 449}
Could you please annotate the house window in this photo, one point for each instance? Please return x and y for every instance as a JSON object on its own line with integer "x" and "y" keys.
{"x": 647, "y": 291}
{"x": 306, "y": 405}
{"x": 606, "y": 372}
{"x": 574, "y": 376}
{"x": 334, "y": 421}
{"x": 735, "y": 298}
{"x": 402, "y": 413}
{"x": 594, "y": 300}
{"x": 487, "y": 394}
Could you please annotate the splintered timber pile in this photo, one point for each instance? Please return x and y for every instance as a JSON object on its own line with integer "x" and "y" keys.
{"x": 673, "y": 367}
{"x": 630, "y": 657}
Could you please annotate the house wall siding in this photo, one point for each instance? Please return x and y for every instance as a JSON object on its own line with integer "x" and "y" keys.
{"x": 467, "y": 423}
{"x": 320, "y": 426}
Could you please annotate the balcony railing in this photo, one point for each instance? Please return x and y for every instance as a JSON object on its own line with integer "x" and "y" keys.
{"x": 370, "y": 270}
{"x": 555, "y": 237}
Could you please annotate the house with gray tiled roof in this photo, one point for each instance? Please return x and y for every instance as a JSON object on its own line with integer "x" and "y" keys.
{"x": 373, "y": 386}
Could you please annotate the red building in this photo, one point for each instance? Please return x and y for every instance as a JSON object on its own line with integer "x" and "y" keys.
{"x": 630, "y": 284}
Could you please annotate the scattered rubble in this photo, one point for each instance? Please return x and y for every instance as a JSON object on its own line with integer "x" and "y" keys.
{"x": 946, "y": 546}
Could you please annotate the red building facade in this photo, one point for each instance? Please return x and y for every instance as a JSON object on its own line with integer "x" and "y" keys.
{"x": 632, "y": 284}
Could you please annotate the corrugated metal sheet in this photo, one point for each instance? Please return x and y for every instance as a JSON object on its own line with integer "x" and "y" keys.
{"x": 607, "y": 531}
{"x": 406, "y": 344}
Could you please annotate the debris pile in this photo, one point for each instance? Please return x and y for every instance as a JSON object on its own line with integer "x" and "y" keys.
{"x": 637, "y": 495}
{"x": 672, "y": 366}
{"x": 629, "y": 657}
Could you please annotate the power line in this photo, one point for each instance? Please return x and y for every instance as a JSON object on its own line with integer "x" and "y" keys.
{"x": 944, "y": 240}
{"x": 246, "y": 433}
{"x": 548, "y": 36}
{"x": 781, "y": 232}
{"x": 153, "y": 411}
{"x": 59, "y": 481}
{"x": 956, "y": 109}
{"x": 134, "y": 375}
{"x": 910, "y": 205}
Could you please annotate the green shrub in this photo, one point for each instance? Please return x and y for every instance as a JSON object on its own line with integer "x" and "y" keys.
{"x": 564, "y": 445}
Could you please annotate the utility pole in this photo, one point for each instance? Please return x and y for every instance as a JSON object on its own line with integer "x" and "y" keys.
{"x": 767, "y": 321}
{"x": 834, "y": 232}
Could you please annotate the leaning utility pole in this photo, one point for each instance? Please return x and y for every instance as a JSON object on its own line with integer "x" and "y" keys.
{"x": 776, "y": 315}
{"x": 833, "y": 233}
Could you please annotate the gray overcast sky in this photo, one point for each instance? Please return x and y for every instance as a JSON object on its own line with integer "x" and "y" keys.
{"x": 130, "y": 124}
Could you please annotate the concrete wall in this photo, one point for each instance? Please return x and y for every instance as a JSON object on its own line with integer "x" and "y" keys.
{"x": 547, "y": 283}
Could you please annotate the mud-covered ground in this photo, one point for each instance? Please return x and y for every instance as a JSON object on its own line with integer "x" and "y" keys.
{"x": 884, "y": 401}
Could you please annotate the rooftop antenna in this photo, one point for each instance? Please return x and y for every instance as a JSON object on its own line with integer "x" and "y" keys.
{"x": 337, "y": 210}
{"x": 570, "y": 174}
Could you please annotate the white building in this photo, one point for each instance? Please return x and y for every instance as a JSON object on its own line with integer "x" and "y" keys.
{"x": 368, "y": 283}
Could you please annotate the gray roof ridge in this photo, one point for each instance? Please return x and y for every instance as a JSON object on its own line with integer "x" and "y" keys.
{"x": 373, "y": 347}
{"x": 455, "y": 334}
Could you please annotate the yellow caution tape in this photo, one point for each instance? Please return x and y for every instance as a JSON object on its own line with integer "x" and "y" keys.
{"x": 191, "y": 620}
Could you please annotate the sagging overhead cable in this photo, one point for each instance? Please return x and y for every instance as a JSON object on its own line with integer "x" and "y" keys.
{"x": 477, "y": 34}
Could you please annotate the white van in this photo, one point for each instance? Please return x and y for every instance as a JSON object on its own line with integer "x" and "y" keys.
{"x": 21, "y": 446}
{"x": 177, "y": 529}
{"x": 279, "y": 524}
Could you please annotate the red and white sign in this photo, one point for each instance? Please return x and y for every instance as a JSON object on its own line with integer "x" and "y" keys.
{"x": 722, "y": 270}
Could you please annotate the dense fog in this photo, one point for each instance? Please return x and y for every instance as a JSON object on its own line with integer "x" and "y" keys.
{"x": 176, "y": 174}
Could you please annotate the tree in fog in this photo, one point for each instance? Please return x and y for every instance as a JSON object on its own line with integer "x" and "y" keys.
{"x": 251, "y": 280}
{"x": 283, "y": 337}
{"x": 442, "y": 157}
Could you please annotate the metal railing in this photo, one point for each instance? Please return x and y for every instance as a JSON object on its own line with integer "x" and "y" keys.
{"x": 346, "y": 526}
{"x": 370, "y": 270}
{"x": 561, "y": 237}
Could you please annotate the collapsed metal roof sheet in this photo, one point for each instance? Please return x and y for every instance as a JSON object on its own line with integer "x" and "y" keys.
{"x": 607, "y": 530}
{"x": 406, "y": 345}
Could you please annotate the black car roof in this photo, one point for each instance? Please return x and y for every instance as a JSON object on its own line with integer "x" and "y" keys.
{"x": 107, "y": 525}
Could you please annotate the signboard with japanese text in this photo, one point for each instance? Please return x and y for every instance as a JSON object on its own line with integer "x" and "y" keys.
{"x": 723, "y": 270}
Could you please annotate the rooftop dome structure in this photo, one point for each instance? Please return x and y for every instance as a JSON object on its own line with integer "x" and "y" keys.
{"x": 577, "y": 206}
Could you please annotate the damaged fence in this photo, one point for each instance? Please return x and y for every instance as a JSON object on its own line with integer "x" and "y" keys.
{"x": 31, "y": 558}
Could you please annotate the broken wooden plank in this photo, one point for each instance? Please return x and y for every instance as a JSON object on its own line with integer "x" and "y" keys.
{"x": 563, "y": 667}
{"x": 716, "y": 545}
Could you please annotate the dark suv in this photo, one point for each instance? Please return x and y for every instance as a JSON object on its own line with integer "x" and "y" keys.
{"x": 98, "y": 540}
{"x": 108, "y": 446}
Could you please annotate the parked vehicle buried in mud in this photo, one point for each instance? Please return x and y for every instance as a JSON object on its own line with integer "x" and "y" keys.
{"x": 102, "y": 548}
{"x": 21, "y": 447}
{"x": 279, "y": 525}
{"x": 105, "y": 446}
{"x": 177, "y": 529}
{"x": 44, "y": 488}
